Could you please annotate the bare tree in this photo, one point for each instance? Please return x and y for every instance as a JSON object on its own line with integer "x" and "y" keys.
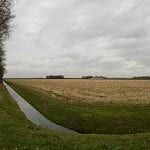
{"x": 5, "y": 16}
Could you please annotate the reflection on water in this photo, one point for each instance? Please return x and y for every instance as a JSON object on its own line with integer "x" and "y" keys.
{"x": 33, "y": 115}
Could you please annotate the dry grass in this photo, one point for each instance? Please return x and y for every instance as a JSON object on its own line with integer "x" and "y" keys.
{"x": 107, "y": 91}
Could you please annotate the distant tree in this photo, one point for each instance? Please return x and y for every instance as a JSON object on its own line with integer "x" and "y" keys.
{"x": 86, "y": 77}
{"x": 141, "y": 78}
{"x": 2, "y": 65}
{"x": 55, "y": 77}
{"x": 5, "y": 16}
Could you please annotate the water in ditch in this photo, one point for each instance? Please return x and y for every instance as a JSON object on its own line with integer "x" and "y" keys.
{"x": 35, "y": 116}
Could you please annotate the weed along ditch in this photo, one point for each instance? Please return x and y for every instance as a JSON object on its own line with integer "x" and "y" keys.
{"x": 35, "y": 116}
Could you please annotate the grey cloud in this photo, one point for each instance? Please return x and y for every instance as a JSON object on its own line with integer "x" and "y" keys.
{"x": 75, "y": 37}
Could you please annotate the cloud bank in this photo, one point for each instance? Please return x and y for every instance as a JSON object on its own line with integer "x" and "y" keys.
{"x": 75, "y": 38}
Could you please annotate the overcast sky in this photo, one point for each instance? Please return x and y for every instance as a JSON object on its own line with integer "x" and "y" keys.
{"x": 79, "y": 37}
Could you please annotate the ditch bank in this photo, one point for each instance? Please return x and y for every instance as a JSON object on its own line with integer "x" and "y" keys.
{"x": 35, "y": 116}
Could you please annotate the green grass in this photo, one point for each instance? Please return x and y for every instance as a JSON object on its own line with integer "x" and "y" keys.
{"x": 17, "y": 132}
{"x": 89, "y": 118}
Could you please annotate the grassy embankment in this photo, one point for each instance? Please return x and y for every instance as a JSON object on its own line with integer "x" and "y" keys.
{"x": 89, "y": 118}
{"x": 17, "y": 132}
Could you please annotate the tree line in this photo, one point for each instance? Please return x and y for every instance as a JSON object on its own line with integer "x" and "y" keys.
{"x": 55, "y": 77}
{"x": 5, "y": 17}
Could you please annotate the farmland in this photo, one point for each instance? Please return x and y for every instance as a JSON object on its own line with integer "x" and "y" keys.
{"x": 16, "y": 132}
{"x": 90, "y": 91}
{"x": 90, "y": 106}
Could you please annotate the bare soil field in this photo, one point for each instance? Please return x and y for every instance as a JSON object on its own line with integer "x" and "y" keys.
{"x": 104, "y": 91}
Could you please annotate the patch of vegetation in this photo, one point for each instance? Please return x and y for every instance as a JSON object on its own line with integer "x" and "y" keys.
{"x": 18, "y": 133}
{"x": 89, "y": 118}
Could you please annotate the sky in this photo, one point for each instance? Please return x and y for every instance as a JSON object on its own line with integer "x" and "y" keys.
{"x": 79, "y": 37}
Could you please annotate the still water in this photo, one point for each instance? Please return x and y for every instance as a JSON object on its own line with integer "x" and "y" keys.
{"x": 35, "y": 116}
